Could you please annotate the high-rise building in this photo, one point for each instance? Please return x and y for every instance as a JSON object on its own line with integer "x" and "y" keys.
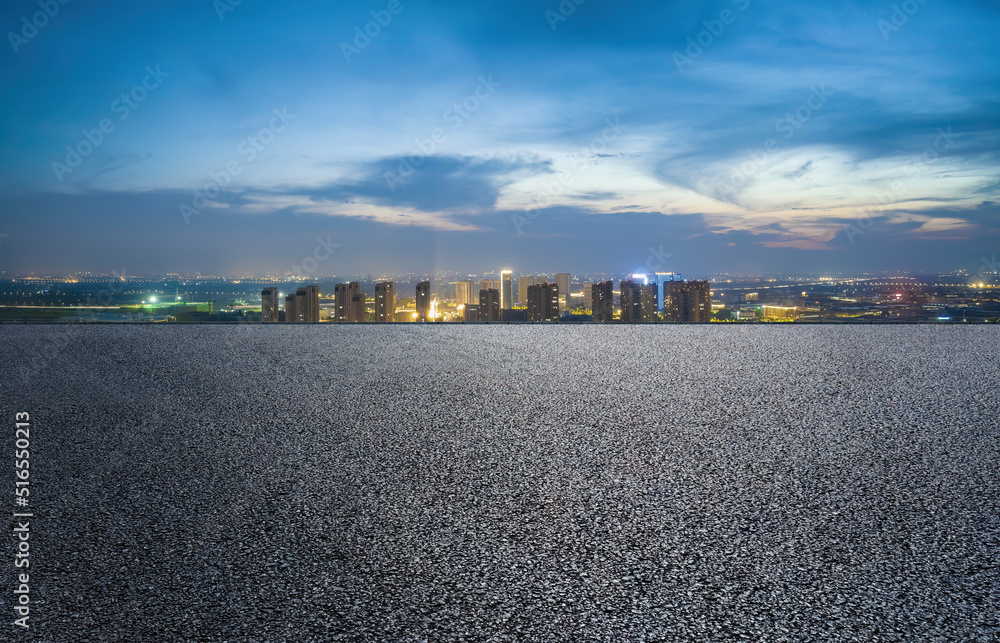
{"x": 341, "y": 302}
{"x": 307, "y": 304}
{"x": 562, "y": 280}
{"x": 638, "y": 300}
{"x": 488, "y": 284}
{"x": 631, "y": 300}
{"x": 423, "y": 300}
{"x": 506, "y": 290}
{"x": 649, "y": 302}
{"x": 349, "y": 303}
{"x": 356, "y": 312}
{"x": 385, "y": 302}
{"x": 543, "y": 303}
{"x": 301, "y": 303}
{"x": 291, "y": 314}
{"x": 602, "y": 301}
{"x": 269, "y": 305}
{"x": 471, "y": 313}
{"x": 464, "y": 292}
{"x": 522, "y": 289}
{"x": 489, "y": 305}
{"x": 662, "y": 278}
{"x": 687, "y": 301}
{"x": 541, "y": 279}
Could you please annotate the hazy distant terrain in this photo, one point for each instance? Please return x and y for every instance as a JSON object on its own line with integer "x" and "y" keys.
{"x": 521, "y": 483}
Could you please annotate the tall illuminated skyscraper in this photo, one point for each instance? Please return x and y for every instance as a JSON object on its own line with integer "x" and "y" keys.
{"x": 638, "y": 300}
{"x": 687, "y": 301}
{"x": 269, "y": 305}
{"x": 349, "y": 303}
{"x": 356, "y": 312}
{"x": 464, "y": 293}
{"x": 631, "y": 300}
{"x": 341, "y": 300}
{"x": 522, "y": 289}
{"x": 489, "y": 305}
{"x": 543, "y": 303}
{"x": 562, "y": 280}
{"x": 662, "y": 278}
{"x": 602, "y": 301}
{"x": 307, "y": 304}
{"x": 385, "y": 302}
{"x": 648, "y": 300}
{"x": 423, "y": 300}
{"x": 506, "y": 290}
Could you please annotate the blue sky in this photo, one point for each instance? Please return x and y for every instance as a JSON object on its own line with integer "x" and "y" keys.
{"x": 544, "y": 136}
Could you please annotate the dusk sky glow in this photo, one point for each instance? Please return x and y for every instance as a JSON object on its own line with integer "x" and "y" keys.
{"x": 735, "y": 135}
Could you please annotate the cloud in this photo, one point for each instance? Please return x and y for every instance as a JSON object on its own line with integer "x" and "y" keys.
{"x": 874, "y": 141}
{"x": 800, "y": 172}
{"x": 446, "y": 184}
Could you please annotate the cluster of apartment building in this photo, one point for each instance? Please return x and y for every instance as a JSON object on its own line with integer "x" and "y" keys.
{"x": 349, "y": 304}
{"x": 302, "y": 306}
{"x": 641, "y": 298}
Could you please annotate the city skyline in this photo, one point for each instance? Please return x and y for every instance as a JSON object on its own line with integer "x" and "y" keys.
{"x": 728, "y": 136}
{"x": 514, "y": 320}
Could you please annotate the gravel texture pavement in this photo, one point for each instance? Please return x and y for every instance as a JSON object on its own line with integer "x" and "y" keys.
{"x": 508, "y": 483}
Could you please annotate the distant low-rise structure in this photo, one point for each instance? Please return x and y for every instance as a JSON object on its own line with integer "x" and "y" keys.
{"x": 779, "y": 313}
